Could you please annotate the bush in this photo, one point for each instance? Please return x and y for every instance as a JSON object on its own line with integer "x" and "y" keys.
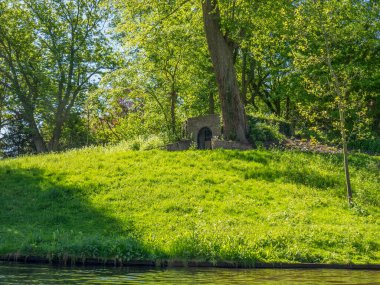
{"x": 368, "y": 146}
{"x": 143, "y": 143}
{"x": 267, "y": 130}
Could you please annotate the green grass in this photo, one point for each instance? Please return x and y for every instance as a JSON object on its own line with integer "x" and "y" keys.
{"x": 247, "y": 207}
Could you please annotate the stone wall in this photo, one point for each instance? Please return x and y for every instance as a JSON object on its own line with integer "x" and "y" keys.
{"x": 194, "y": 125}
{"x": 217, "y": 143}
{"x": 180, "y": 145}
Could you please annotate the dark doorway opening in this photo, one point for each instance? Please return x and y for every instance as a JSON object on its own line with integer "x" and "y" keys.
{"x": 204, "y": 138}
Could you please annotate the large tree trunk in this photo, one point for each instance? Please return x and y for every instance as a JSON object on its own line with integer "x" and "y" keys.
{"x": 211, "y": 103}
{"x": 38, "y": 140}
{"x": 61, "y": 116}
{"x": 221, "y": 53}
{"x": 244, "y": 79}
{"x": 28, "y": 115}
{"x": 57, "y": 132}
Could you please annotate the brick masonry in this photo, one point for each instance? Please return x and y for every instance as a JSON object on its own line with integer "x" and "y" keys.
{"x": 192, "y": 128}
{"x": 180, "y": 145}
{"x": 194, "y": 125}
{"x": 217, "y": 143}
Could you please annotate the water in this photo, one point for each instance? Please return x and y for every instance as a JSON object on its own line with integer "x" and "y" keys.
{"x": 41, "y": 274}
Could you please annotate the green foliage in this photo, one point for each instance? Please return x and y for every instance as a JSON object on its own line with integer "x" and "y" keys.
{"x": 247, "y": 207}
{"x": 328, "y": 43}
{"x": 51, "y": 53}
{"x": 143, "y": 143}
{"x": 162, "y": 73}
{"x": 261, "y": 132}
{"x": 267, "y": 130}
{"x": 168, "y": 75}
{"x": 368, "y": 146}
{"x": 16, "y": 139}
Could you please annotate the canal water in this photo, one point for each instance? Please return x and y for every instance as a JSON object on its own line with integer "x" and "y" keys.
{"x": 41, "y": 274}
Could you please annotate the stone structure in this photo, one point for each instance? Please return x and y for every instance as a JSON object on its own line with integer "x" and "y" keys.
{"x": 180, "y": 145}
{"x": 205, "y": 133}
{"x": 217, "y": 143}
{"x": 202, "y": 129}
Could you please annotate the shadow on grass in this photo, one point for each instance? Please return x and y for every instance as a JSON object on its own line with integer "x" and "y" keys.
{"x": 370, "y": 163}
{"x": 41, "y": 217}
{"x": 250, "y": 156}
{"x": 304, "y": 177}
{"x": 297, "y": 174}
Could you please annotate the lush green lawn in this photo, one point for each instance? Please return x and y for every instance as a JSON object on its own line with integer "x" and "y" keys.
{"x": 256, "y": 206}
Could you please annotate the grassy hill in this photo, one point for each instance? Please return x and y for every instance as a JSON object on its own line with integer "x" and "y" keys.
{"x": 255, "y": 206}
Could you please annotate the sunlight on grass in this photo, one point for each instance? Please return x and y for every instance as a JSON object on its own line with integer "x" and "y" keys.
{"x": 256, "y": 206}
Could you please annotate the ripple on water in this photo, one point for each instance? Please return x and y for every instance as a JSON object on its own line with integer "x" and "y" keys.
{"x": 38, "y": 274}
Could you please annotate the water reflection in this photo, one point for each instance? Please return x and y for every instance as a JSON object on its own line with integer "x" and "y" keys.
{"x": 36, "y": 274}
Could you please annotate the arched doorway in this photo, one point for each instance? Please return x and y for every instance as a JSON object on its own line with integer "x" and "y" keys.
{"x": 204, "y": 138}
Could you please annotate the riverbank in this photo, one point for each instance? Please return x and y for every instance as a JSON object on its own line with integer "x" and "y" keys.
{"x": 12, "y": 259}
{"x": 247, "y": 208}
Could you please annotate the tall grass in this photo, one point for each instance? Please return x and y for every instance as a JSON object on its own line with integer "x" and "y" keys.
{"x": 255, "y": 206}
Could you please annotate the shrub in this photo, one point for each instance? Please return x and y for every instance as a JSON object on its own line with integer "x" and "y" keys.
{"x": 266, "y": 130}
{"x": 368, "y": 146}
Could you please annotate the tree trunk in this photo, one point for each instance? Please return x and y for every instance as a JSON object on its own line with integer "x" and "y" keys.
{"x": 287, "y": 111}
{"x": 28, "y": 115}
{"x": 38, "y": 140}
{"x": 57, "y": 132}
{"x": 221, "y": 52}
{"x": 173, "y": 101}
{"x": 345, "y": 153}
{"x": 339, "y": 91}
{"x": 277, "y": 104}
{"x": 211, "y": 103}
{"x": 60, "y": 118}
{"x": 244, "y": 79}
{"x": 39, "y": 143}
{"x": 88, "y": 125}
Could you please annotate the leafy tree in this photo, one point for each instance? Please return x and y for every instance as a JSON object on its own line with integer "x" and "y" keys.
{"x": 169, "y": 72}
{"x": 51, "y": 53}
{"x": 221, "y": 51}
{"x": 314, "y": 63}
{"x": 331, "y": 36}
{"x": 15, "y": 139}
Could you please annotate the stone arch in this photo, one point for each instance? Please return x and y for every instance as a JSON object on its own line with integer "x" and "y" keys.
{"x": 204, "y": 138}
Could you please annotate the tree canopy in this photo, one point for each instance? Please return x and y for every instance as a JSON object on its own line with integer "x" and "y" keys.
{"x": 51, "y": 53}
{"x": 75, "y": 73}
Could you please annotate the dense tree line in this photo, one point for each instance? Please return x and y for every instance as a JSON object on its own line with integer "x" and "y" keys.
{"x": 75, "y": 72}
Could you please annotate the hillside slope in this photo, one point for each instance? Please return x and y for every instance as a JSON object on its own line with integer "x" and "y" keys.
{"x": 255, "y": 206}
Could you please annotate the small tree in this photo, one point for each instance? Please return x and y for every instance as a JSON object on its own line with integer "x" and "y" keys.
{"x": 328, "y": 37}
